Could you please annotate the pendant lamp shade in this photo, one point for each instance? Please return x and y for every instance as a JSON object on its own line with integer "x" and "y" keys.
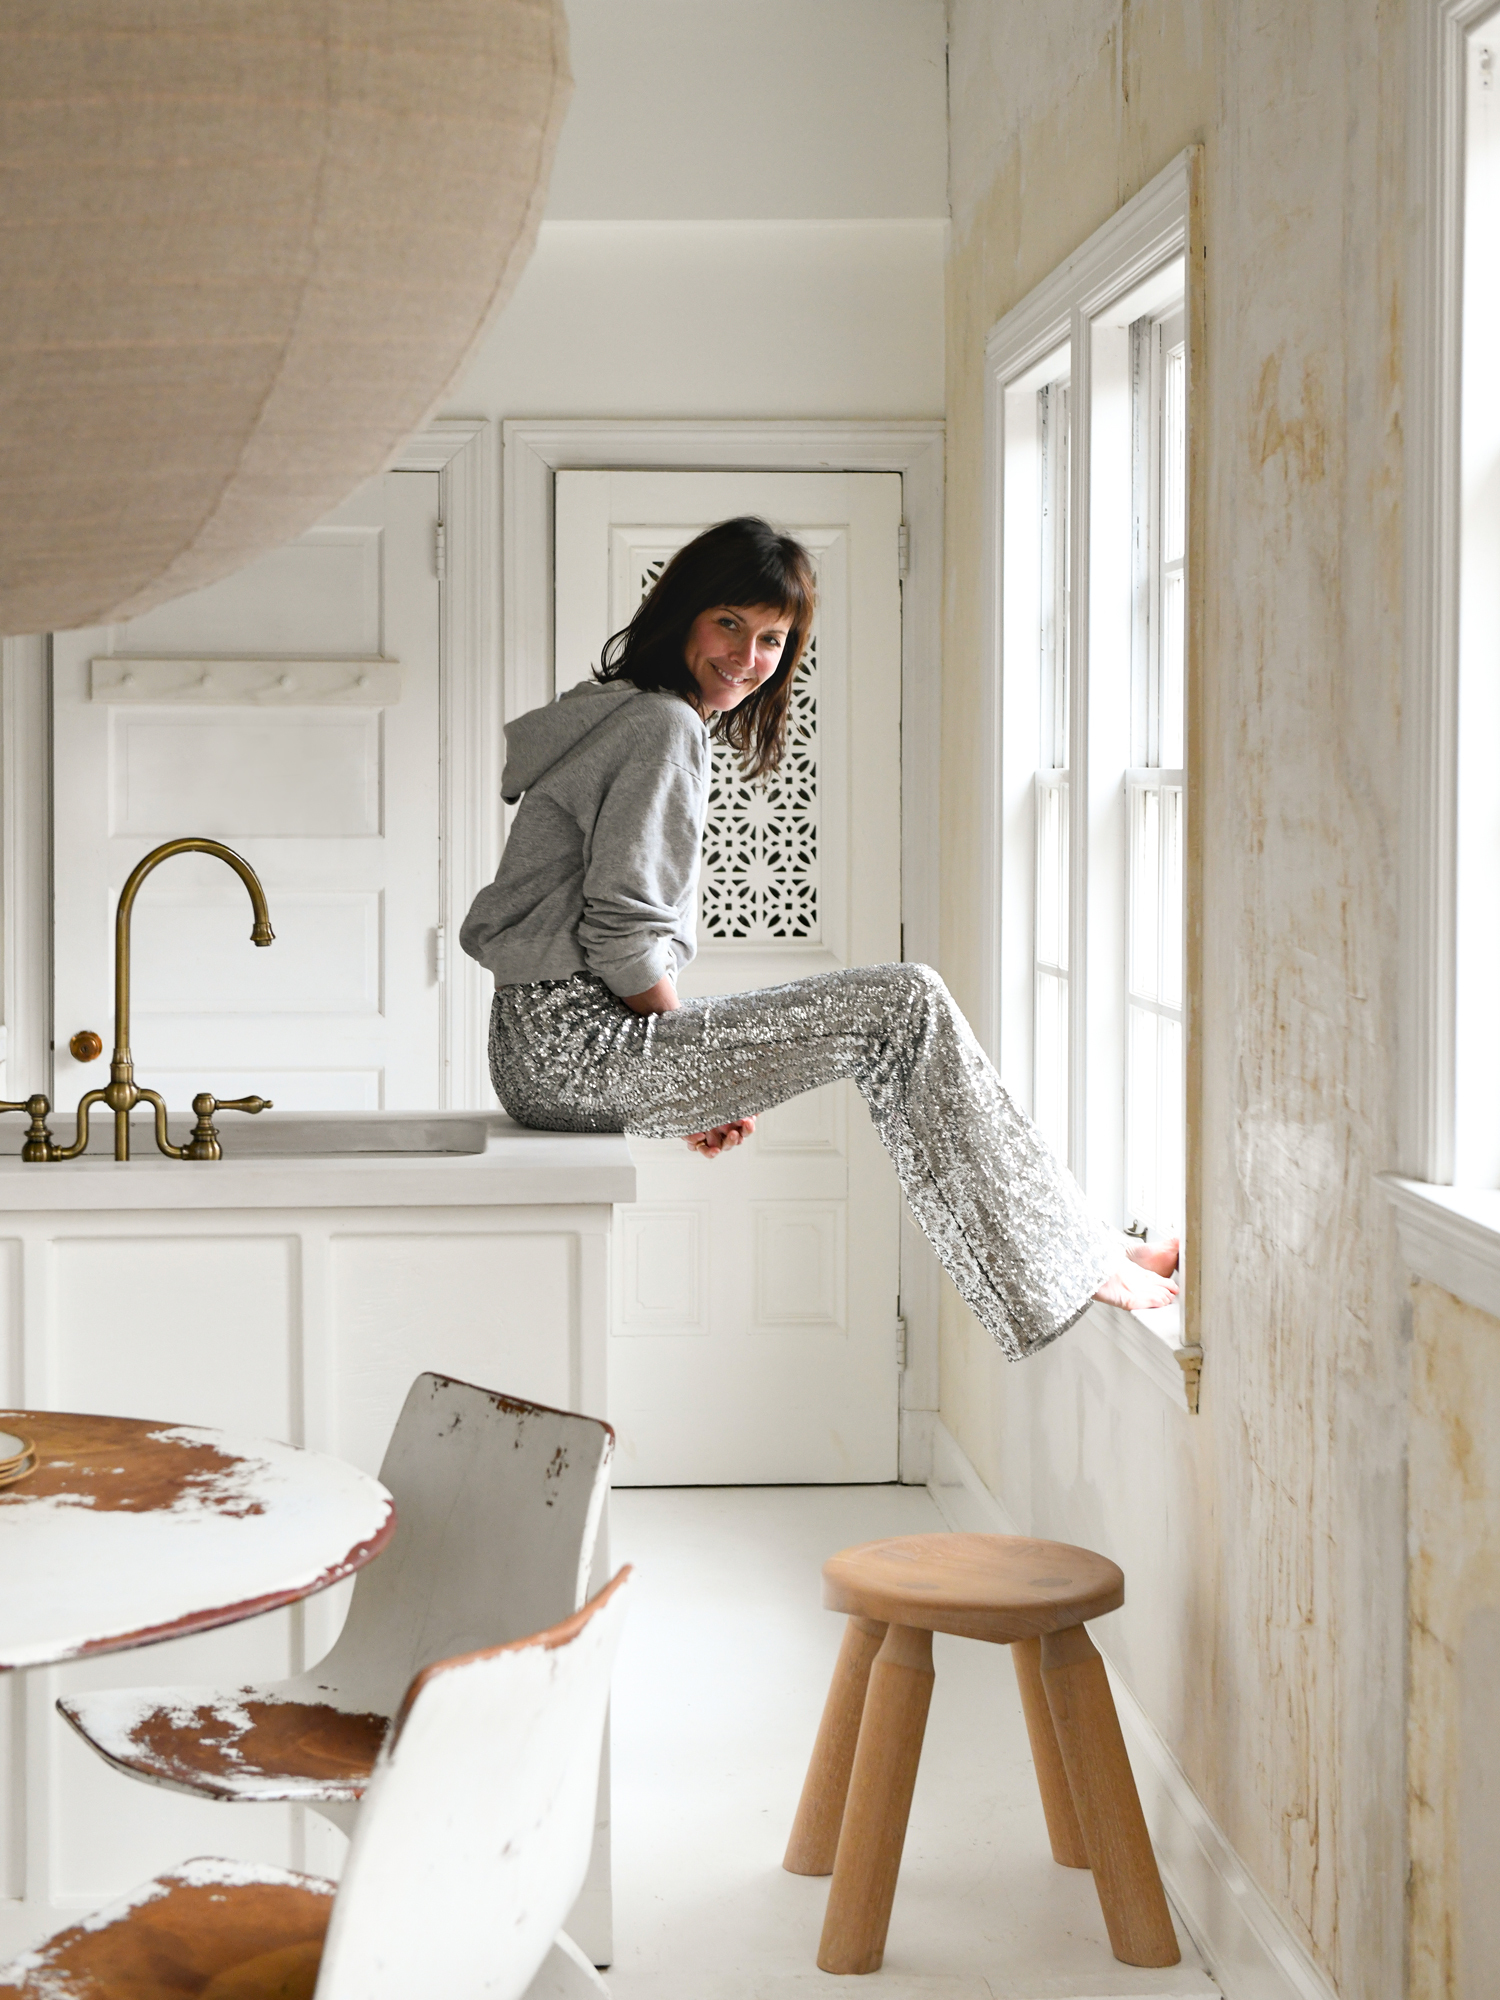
{"x": 245, "y": 247}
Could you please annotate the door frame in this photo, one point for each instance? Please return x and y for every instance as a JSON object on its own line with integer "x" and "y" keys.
{"x": 534, "y": 451}
{"x": 461, "y": 450}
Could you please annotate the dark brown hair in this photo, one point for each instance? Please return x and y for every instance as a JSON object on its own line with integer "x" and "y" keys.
{"x": 744, "y": 562}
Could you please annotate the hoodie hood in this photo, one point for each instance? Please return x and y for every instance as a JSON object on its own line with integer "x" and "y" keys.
{"x": 539, "y": 740}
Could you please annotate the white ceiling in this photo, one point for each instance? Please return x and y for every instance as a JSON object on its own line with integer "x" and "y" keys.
{"x": 740, "y": 109}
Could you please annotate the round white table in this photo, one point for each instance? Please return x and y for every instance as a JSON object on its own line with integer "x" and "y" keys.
{"x": 128, "y": 1532}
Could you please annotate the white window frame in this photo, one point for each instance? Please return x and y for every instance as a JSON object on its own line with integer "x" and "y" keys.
{"x": 1446, "y": 1189}
{"x": 1157, "y": 772}
{"x": 1077, "y": 325}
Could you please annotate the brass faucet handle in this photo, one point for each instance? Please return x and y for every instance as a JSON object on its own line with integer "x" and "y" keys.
{"x": 38, "y": 1144}
{"x": 204, "y": 1142}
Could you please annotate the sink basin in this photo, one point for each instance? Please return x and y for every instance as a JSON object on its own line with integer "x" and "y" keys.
{"x": 299, "y": 1135}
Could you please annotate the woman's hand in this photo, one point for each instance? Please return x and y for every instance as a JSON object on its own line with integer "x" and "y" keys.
{"x": 710, "y": 1144}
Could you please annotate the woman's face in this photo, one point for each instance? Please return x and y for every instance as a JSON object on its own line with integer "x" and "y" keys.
{"x": 731, "y": 649}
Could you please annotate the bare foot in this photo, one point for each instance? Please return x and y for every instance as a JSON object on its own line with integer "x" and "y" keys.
{"x": 1158, "y": 1257}
{"x": 1135, "y": 1289}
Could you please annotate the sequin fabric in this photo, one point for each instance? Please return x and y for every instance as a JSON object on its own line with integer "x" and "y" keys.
{"x": 1010, "y": 1224}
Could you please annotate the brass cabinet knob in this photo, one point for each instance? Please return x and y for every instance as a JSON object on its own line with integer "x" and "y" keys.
{"x": 86, "y": 1046}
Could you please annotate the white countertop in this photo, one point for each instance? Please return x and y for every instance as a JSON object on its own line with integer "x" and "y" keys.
{"x": 509, "y": 1165}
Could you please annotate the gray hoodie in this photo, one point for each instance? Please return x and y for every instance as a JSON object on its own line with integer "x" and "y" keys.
{"x": 601, "y": 867}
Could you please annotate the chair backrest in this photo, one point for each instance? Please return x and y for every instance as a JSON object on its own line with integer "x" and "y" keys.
{"x": 474, "y": 1837}
{"x": 497, "y": 1510}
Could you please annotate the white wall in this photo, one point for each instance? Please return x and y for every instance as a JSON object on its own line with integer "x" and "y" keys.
{"x": 747, "y": 219}
{"x": 695, "y": 319}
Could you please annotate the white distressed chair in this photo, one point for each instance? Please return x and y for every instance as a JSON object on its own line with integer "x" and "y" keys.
{"x": 498, "y": 1504}
{"x": 468, "y": 1853}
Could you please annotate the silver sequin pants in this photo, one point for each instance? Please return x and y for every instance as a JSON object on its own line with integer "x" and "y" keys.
{"x": 1010, "y": 1224}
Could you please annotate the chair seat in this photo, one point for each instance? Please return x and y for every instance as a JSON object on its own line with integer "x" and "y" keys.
{"x": 995, "y": 1587}
{"x": 210, "y": 1930}
{"x": 236, "y": 1743}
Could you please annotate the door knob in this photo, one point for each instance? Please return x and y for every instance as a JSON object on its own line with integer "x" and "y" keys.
{"x": 86, "y": 1046}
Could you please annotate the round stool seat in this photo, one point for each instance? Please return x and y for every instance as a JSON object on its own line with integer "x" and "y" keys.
{"x": 996, "y": 1587}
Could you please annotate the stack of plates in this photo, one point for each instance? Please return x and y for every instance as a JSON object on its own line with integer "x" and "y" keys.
{"x": 17, "y": 1457}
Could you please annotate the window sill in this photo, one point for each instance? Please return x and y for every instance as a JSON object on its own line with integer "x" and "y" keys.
{"x": 1451, "y": 1237}
{"x": 1153, "y": 1341}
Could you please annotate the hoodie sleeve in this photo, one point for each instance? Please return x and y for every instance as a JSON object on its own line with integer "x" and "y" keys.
{"x": 638, "y": 879}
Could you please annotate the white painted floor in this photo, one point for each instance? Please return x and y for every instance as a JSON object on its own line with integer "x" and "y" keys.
{"x": 717, "y": 1696}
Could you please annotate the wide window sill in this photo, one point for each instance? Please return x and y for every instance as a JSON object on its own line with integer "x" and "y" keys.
{"x": 1153, "y": 1341}
{"x": 1451, "y": 1237}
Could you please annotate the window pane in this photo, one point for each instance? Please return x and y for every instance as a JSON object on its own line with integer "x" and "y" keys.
{"x": 1170, "y": 990}
{"x": 1174, "y": 453}
{"x": 1056, "y": 568}
{"x": 1153, "y": 1052}
{"x": 1145, "y": 891}
{"x": 1169, "y": 1205}
{"x": 1173, "y": 610}
{"x": 1051, "y": 1036}
{"x": 1141, "y": 1109}
{"x": 1051, "y": 1082}
{"x": 1052, "y": 873}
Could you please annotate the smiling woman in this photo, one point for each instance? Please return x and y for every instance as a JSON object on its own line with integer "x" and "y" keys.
{"x": 725, "y": 627}
{"x": 590, "y": 921}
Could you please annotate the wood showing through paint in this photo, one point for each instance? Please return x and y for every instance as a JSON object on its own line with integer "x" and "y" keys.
{"x": 499, "y": 1502}
{"x": 129, "y": 1531}
{"x": 467, "y": 1855}
{"x": 204, "y": 1934}
{"x": 225, "y": 1743}
{"x": 120, "y": 1465}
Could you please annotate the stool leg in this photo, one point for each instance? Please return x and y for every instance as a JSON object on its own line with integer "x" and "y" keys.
{"x": 1109, "y": 1808}
{"x": 820, "y": 1811}
{"x": 1063, "y": 1829}
{"x": 880, "y": 1789}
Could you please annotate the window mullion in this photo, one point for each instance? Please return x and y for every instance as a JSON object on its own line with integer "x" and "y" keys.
{"x": 1078, "y": 750}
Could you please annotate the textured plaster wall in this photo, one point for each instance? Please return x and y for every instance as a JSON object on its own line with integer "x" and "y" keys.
{"x": 1263, "y": 1541}
{"x": 1454, "y": 1732}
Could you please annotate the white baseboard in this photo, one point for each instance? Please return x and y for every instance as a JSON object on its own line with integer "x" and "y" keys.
{"x": 1242, "y": 1940}
{"x": 916, "y": 1447}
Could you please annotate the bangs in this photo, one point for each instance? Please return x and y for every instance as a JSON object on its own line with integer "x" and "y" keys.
{"x": 774, "y": 584}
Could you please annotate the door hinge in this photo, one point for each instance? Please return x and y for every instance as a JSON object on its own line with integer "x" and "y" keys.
{"x": 900, "y": 1341}
{"x": 903, "y": 549}
{"x": 440, "y": 953}
{"x": 440, "y": 552}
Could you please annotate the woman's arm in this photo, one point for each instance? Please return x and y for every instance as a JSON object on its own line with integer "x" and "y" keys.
{"x": 662, "y": 999}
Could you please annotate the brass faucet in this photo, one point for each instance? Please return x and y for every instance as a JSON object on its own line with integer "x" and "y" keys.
{"x": 122, "y": 1093}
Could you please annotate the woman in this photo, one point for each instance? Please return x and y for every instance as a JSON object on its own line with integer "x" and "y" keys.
{"x": 590, "y": 920}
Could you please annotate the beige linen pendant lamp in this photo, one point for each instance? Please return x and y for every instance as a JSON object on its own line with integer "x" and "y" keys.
{"x": 245, "y": 247}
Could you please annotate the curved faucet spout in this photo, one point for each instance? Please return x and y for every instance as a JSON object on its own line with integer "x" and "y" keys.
{"x": 123, "y": 1093}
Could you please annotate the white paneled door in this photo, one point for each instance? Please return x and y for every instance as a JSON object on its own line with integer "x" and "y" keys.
{"x": 754, "y": 1334}
{"x": 291, "y": 711}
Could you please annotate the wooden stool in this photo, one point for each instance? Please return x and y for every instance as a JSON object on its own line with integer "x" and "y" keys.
{"x": 1033, "y": 1597}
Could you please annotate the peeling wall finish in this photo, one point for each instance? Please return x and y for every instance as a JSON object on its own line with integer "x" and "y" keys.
{"x": 1453, "y": 1744}
{"x": 1262, "y": 1541}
